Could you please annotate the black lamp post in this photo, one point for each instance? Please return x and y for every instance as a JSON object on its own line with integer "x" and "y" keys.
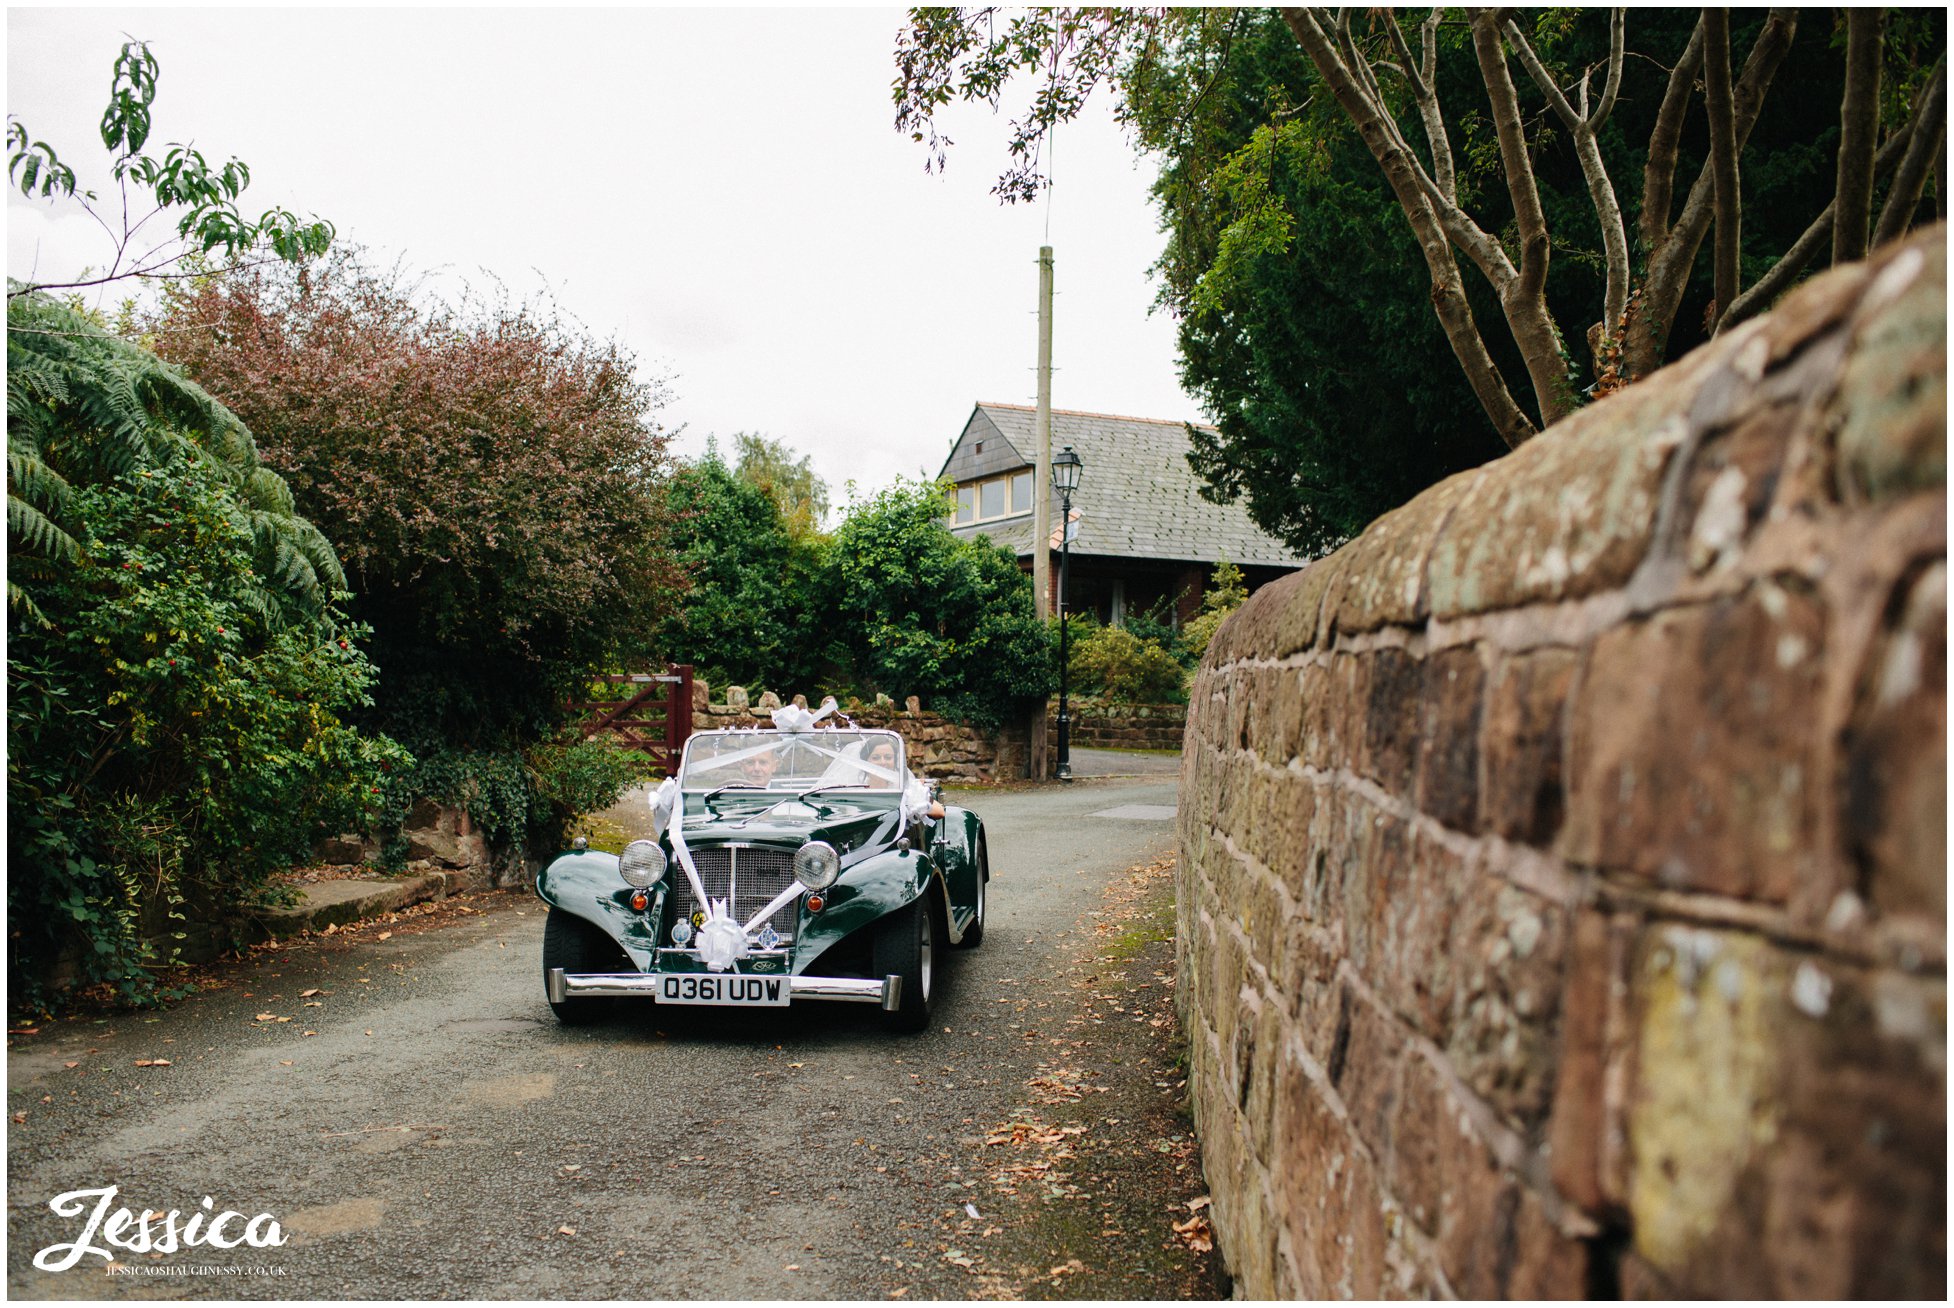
{"x": 1065, "y": 480}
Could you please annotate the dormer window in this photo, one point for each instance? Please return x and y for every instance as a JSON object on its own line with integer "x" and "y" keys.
{"x": 994, "y": 497}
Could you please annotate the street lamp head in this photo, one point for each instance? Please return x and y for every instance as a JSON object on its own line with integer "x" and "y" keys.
{"x": 1065, "y": 471}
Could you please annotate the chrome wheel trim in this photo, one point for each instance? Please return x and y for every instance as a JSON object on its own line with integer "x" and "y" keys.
{"x": 925, "y": 949}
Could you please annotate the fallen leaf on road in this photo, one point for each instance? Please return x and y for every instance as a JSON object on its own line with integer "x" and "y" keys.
{"x": 369, "y": 1031}
{"x": 791, "y": 1267}
{"x": 267, "y": 1017}
{"x": 152, "y": 1062}
{"x": 71, "y": 1065}
{"x": 284, "y": 1019}
{"x": 385, "y": 935}
{"x": 23, "y": 1030}
{"x": 307, "y": 994}
{"x": 20, "y": 1117}
{"x": 1196, "y": 1205}
{"x": 956, "y": 1257}
{"x": 1195, "y": 1233}
{"x": 899, "y": 1292}
{"x": 566, "y": 1230}
{"x": 313, "y": 1003}
{"x": 284, "y": 1062}
{"x": 310, "y": 1033}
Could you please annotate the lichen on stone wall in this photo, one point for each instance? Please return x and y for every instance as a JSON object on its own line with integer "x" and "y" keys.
{"x": 1563, "y": 875}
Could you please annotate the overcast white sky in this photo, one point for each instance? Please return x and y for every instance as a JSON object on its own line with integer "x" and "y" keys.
{"x": 722, "y": 190}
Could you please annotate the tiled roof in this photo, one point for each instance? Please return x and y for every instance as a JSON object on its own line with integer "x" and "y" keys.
{"x": 1137, "y": 497}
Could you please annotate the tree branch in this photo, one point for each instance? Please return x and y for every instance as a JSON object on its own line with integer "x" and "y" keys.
{"x": 1659, "y": 174}
{"x": 1617, "y": 51}
{"x": 1669, "y": 263}
{"x": 1858, "y": 130}
{"x": 1815, "y": 239}
{"x": 1525, "y": 300}
{"x": 1448, "y": 292}
{"x": 1601, "y": 189}
{"x": 1727, "y": 199}
{"x": 1928, "y": 124}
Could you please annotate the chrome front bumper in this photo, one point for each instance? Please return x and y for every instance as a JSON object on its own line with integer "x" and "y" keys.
{"x": 849, "y": 990}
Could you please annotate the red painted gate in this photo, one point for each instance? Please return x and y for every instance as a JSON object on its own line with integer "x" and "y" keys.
{"x": 654, "y": 718}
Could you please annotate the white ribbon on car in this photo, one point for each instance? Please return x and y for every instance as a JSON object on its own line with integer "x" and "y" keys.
{"x": 668, "y": 800}
{"x": 727, "y": 937}
{"x": 915, "y": 799}
{"x": 792, "y": 717}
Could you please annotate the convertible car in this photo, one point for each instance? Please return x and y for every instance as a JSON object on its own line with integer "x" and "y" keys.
{"x": 803, "y": 862}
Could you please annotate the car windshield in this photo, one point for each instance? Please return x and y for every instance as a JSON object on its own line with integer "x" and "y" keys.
{"x": 768, "y": 760}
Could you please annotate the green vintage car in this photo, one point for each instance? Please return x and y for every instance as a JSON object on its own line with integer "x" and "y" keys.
{"x": 790, "y": 865}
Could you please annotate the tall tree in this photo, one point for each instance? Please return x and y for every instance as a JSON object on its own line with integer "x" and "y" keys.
{"x": 1373, "y": 76}
{"x": 752, "y": 613}
{"x": 1298, "y": 295}
{"x": 791, "y": 483}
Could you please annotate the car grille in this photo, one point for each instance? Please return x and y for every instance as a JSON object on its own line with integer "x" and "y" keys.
{"x": 746, "y": 876}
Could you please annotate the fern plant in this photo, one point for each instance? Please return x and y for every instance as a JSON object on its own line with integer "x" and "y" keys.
{"x": 179, "y": 671}
{"x": 84, "y": 406}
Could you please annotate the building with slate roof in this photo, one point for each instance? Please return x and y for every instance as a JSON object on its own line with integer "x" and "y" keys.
{"x": 1144, "y": 540}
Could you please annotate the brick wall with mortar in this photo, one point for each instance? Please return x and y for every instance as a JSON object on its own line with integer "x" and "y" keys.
{"x": 1100, "y": 725}
{"x": 1563, "y": 882}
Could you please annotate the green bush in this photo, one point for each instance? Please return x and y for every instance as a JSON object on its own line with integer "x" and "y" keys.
{"x": 1222, "y": 599}
{"x": 487, "y": 471}
{"x": 581, "y": 777}
{"x": 754, "y": 611}
{"x": 1115, "y": 663}
{"x": 180, "y": 676}
{"x": 919, "y": 611}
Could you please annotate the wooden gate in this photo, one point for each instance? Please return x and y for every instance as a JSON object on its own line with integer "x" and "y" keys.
{"x": 654, "y": 718}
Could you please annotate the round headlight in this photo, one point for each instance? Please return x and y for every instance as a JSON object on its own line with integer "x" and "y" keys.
{"x": 642, "y": 863}
{"x": 817, "y": 865}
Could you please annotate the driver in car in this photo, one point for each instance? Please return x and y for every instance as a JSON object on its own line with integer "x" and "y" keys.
{"x": 757, "y": 769}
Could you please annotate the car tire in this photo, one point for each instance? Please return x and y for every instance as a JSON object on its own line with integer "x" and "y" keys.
{"x": 905, "y": 946}
{"x": 973, "y": 935}
{"x": 575, "y": 945}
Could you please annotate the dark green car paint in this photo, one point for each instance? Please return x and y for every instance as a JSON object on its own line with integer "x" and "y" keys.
{"x": 877, "y": 875}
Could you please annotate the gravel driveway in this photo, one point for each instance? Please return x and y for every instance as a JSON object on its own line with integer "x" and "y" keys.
{"x": 401, "y": 1101}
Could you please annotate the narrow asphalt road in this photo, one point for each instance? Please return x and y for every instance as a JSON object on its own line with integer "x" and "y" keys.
{"x": 421, "y": 1127}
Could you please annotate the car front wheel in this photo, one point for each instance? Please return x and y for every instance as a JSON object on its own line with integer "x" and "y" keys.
{"x": 575, "y": 945}
{"x": 905, "y": 946}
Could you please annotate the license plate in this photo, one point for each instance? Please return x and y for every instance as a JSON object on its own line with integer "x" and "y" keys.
{"x": 739, "y": 991}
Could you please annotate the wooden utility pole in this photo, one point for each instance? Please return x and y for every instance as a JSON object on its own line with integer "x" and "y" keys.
{"x": 1041, "y": 488}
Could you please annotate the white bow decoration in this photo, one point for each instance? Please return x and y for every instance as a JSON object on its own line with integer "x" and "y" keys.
{"x": 663, "y": 801}
{"x": 792, "y": 717}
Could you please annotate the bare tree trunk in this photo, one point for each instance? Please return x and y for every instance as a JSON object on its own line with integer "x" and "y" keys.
{"x": 1726, "y": 198}
{"x": 1402, "y": 172}
{"x": 1929, "y": 132}
{"x": 1601, "y": 190}
{"x": 1818, "y": 237}
{"x": 1659, "y": 174}
{"x": 1525, "y": 299}
{"x": 1673, "y": 256}
{"x": 1858, "y": 132}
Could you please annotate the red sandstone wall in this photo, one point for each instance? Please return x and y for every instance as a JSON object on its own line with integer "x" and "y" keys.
{"x": 1563, "y": 877}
